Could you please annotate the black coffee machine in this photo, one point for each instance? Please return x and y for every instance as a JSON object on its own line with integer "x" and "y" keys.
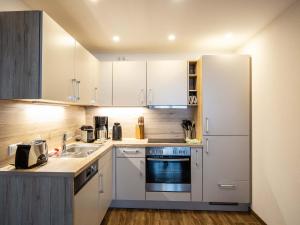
{"x": 101, "y": 127}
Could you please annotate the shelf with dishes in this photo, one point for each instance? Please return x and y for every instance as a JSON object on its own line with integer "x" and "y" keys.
{"x": 192, "y": 85}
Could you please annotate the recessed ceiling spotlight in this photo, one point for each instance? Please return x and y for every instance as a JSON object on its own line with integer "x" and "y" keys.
{"x": 228, "y": 35}
{"x": 94, "y": 1}
{"x": 171, "y": 37}
{"x": 116, "y": 38}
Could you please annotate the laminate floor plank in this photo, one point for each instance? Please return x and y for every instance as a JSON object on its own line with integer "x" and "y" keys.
{"x": 177, "y": 217}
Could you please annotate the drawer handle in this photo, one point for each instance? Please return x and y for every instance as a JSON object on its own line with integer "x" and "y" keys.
{"x": 101, "y": 189}
{"x": 227, "y": 186}
{"x": 131, "y": 151}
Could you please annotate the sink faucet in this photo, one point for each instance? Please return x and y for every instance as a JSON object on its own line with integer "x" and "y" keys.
{"x": 64, "y": 146}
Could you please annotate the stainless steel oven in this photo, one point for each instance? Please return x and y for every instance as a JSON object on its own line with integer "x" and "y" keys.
{"x": 168, "y": 169}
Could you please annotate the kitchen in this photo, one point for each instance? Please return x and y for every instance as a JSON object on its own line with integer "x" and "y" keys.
{"x": 147, "y": 120}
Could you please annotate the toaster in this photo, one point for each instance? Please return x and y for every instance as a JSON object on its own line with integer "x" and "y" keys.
{"x": 31, "y": 155}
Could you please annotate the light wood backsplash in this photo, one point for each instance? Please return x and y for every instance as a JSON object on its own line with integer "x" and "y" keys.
{"x": 159, "y": 123}
{"x": 23, "y": 122}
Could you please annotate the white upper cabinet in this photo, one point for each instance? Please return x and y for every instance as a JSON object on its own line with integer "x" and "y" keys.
{"x": 84, "y": 75}
{"x": 226, "y": 95}
{"x": 68, "y": 70}
{"x": 167, "y": 83}
{"x": 105, "y": 82}
{"x": 129, "y": 83}
{"x": 57, "y": 62}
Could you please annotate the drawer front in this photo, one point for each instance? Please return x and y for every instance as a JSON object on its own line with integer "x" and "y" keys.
{"x": 227, "y": 192}
{"x": 168, "y": 196}
{"x": 130, "y": 152}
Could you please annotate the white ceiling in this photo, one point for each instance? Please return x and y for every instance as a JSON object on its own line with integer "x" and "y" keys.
{"x": 143, "y": 25}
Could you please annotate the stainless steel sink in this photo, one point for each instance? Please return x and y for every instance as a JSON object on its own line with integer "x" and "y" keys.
{"x": 79, "y": 150}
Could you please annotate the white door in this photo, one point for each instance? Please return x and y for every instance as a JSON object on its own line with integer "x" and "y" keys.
{"x": 196, "y": 174}
{"x": 129, "y": 83}
{"x": 130, "y": 179}
{"x": 57, "y": 62}
{"x": 105, "y": 80}
{"x": 84, "y": 75}
{"x": 226, "y": 95}
{"x": 167, "y": 83}
{"x": 95, "y": 81}
{"x": 226, "y": 169}
{"x": 105, "y": 187}
{"x": 86, "y": 205}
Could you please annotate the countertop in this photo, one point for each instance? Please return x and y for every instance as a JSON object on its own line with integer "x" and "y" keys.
{"x": 73, "y": 166}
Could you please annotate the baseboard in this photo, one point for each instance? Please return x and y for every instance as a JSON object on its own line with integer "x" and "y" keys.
{"x": 257, "y": 217}
{"x": 243, "y": 207}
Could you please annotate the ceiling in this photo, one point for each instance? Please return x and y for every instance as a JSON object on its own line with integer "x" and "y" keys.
{"x": 144, "y": 25}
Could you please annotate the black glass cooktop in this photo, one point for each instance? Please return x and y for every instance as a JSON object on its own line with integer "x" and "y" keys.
{"x": 163, "y": 140}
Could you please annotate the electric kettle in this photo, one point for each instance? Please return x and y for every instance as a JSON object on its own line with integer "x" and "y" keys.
{"x": 117, "y": 132}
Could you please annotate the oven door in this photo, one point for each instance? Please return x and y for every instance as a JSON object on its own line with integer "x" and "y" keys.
{"x": 168, "y": 173}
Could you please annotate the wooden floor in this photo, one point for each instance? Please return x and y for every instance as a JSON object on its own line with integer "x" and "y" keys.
{"x": 177, "y": 217}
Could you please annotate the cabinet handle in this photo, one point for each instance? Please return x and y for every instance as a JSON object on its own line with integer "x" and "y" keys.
{"x": 142, "y": 97}
{"x": 141, "y": 168}
{"x": 73, "y": 96}
{"x": 197, "y": 158}
{"x": 131, "y": 151}
{"x": 78, "y": 90}
{"x": 227, "y": 186}
{"x": 206, "y": 125}
{"x": 207, "y": 150}
{"x": 150, "y": 96}
{"x": 96, "y": 93}
{"x": 101, "y": 189}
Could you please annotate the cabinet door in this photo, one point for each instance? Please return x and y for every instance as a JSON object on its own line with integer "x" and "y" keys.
{"x": 196, "y": 174}
{"x": 226, "y": 169}
{"x": 130, "y": 179}
{"x": 58, "y": 62}
{"x": 129, "y": 83}
{"x": 95, "y": 81}
{"x": 167, "y": 83}
{"x": 105, "y": 83}
{"x": 105, "y": 187}
{"x": 84, "y": 75}
{"x": 20, "y": 55}
{"x": 226, "y": 95}
{"x": 86, "y": 206}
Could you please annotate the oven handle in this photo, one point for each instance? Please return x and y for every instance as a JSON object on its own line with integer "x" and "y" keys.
{"x": 169, "y": 160}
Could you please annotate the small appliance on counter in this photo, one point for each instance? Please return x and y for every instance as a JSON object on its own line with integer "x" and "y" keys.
{"x": 31, "y": 155}
{"x": 87, "y": 134}
{"x": 101, "y": 127}
{"x": 117, "y": 132}
{"x": 139, "y": 128}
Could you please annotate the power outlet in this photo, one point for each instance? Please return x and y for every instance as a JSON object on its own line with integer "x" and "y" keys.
{"x": 12, "y": 149}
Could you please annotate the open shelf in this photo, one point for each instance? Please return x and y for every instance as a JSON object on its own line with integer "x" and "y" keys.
{"x": 192, "y": 86}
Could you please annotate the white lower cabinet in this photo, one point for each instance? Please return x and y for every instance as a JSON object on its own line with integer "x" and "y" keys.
{"x": 86, "y": 204}
{"x": 226, "y": 169}
{"x": 130, "y": 178}
{"x": 196, "y": 174}
{"x": 105, "y": 184}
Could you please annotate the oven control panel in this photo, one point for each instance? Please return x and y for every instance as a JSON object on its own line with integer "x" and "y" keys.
{"x": 168, "y": 151}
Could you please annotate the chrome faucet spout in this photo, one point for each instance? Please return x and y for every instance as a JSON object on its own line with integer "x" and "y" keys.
{"x": 64, "y": 143}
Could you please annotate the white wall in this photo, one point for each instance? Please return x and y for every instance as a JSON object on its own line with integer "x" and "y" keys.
{"x": 12, "y": 5}
{"x": 276, "y": 119}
